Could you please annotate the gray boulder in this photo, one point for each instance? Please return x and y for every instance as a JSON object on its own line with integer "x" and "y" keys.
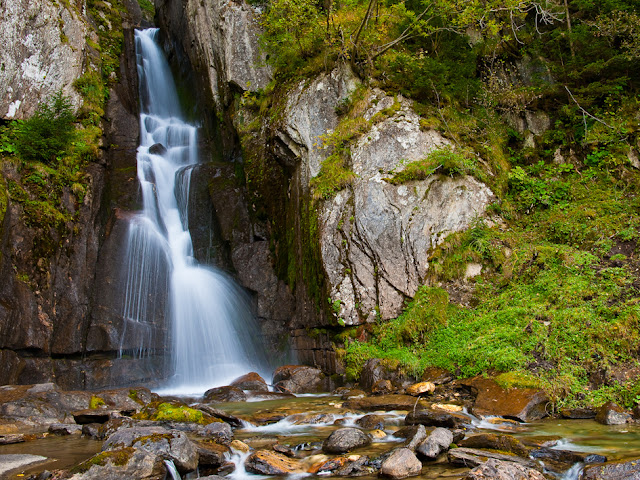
{"x": 612, "y": 414}
{"x": 345, "y": 439}
{"x": 436, "y": 443}
{"x": 494, "y": 469}
{"x": 401, "y": 463}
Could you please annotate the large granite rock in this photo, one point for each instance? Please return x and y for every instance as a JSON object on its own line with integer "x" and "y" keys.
{"x": 345, "y": 439}
{"x": 401, "y": 463}
{"x": 622, "y": 470}
{"x": 498, "y": 470}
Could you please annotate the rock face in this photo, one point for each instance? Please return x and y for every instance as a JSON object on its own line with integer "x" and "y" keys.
{"x": 43, "y": 49}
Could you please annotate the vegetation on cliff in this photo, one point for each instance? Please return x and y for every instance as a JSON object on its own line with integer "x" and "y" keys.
{"x": 541, "y": 101}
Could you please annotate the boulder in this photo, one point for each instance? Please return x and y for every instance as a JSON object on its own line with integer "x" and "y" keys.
{"x": 251, "y": 381}
{"x": 224, "y": 394}
{"x": 437, "y": 376}
{"x": 578, "y": 413}
{"x": 121, "y": 463}
{"x": 622, "y": 470}
{"x": 265, "y": 462}
{"x": 371, "y": 422}
{"x": 298, "y": 379}
{"x": 157, "y": 149}
{"x": 211, "y": 455}
{"x": 612, "y": 414}
{"x": 415, "y": 435}
{"x": 494, "y": 469}
{"x": 65, "y": 429}
{"x": 345, "y": 439}
{"x": 382, "y": 387}
{"x": 92, "y": 430}
{"x": 310, "y": 418}
{"x": 401, "y": 463}
{"x": 383, "y": 402}
{"x": 93, "y": 415}
{"x": 437, "y": 442}
{"x": 156, "y": 441}
{"x": 436, "y": 418}
{"x": 522, "y": 404}
{"x": 422, "y": 388}
{"x": 218, "y": 431}
{"x": 217, "y": 413}
{"x": 14, "y": 461}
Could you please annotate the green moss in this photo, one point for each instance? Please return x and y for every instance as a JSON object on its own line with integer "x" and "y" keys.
{"x": 96, "y": 402}
{"x": 173, "y": 412}
{"x": 517, "y": 380}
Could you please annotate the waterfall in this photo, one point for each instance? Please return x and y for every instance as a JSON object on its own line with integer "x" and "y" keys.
{"x": 210, "y": 329}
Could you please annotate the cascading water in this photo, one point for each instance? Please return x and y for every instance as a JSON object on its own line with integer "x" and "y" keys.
{"x": 212, "y": 332}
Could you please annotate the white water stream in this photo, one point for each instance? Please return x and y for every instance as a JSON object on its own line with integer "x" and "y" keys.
{"x": 211, "y": 331}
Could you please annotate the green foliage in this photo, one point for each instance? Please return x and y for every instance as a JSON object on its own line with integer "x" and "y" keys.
{"x": 443, "y": 161}
{"x": 48, "y": 134}
{"x": 147, "y": 8}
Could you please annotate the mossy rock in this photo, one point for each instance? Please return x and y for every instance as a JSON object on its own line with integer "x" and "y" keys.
{"x": 118, "y": 457}
{"x": 174, "y": 412}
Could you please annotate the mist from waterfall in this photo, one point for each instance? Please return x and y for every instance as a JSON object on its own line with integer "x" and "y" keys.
{"x": 210, "y": 328}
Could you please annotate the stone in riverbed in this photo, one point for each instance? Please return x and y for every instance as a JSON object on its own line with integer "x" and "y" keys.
{"x": 612, "y": 414}
{"x": 15, "y": 461}
{"x": 493, "y": 441}
{"x": 371, "y": 422}
{"x": 119, "y": 464}
{"x": 94, "y": 415}
{"x": 298, "y": 379}
{"x": 311, "y": 418}
{"x": 437, "y": 442}
{"x": 471, "y": 457}
{"x": 224, "y": 394}
{"x": 345, "y": 439}
{"x": 219, "y": 431}
{"x": 65, "y": 429}
{"x": 415, "y": 436}
{"x": 251, "y": 381}
{"x": 265, "y": 462}
{"x": 578, "y": 413}
{"x": 436, "y": 418}
{"x": 11, "y": 438}
{"x": 383, "y": 402}
{"x": 422, "y": 388}
{"x": 382, "y": 387}
{"x": 523, "y": 404}
{"x": 157, "y": 149}
{"x": 623, "y": 470}
{"x": 494, "y": 469}
{"x": 217, "y": 413}
{"x": 401, "y": 463}
{"x": 211, "y": 455}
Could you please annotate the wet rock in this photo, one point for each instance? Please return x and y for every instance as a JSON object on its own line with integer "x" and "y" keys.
{"x": 353, "y": 393}
{"x": 559, "y": 461}
{"x": 622, "y": 470}
{"x": 264, "y": 396}
{"x": 211, "y": 455}
{"x": 494, "y": 469}
{"x": 345, "y": 439}
{"x": 310, "y": 418}
{"x": 114, "y": 424}
{"x": 415, "y": 434}
{"x": 251, "y": 381}
{"x": 219, "y": 431}
{"x": 65, "y": 429}
{"x": 636, "y": 412}
{"x": 435, "y": 418}
{"x": 356, "y": 467}
{"x": 284, "y": 449}
{"x": 157, "y": 149}
{"x": 225, "y": 394}
{"x": 437, "y": 442}
{"x": 298, "y": 379}
{"x": 612, "y": 414}
{"x": 472, "y": 458}
{"x": 217, "y": 413}
{"x": 328, "y": 466}
{"x": 371, "y": 422}
{"x": 523, "y": 404}
{"x": 578, "y": 413}
{"x": 401, "y": 463}
{"x": 265, "y": 462}
{"x": 422, "y": 388}
{"x": 240, "y": 446}
{"x": 157, "y": 441}
{"x": 504, "y": 443}
{"x": 383, "y": 402}
{"x": 11, "y": 438}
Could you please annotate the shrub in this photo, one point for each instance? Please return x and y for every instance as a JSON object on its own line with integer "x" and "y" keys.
{"x": 48, "y": 133}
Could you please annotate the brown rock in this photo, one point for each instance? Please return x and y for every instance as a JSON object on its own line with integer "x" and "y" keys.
{"x": 612, "y": 414}
{"x": 437, "y": 376}
{"x": 310, "y": 418}
{"x": 401, "y": 463}
{"x": 371, "y": 422}
{"x": 523, "y": 404}
{"x": 383, "y": 402}
{"x": 436, "y": 418}
{"x": 422, "y": 388}
{"x": 272, "y": 463}
{"x": 471, "y": 457}
{"x": 494, "y": 469}
{"x": 505, "y": 443}
{"x": 382, "y": 387}
{"x": 578, "y": 413}
{"x": 210, "y": 454}
{"x": 345, "y": 439}
{"x": 251, "y": 381}
{"x": 225, "y": 394}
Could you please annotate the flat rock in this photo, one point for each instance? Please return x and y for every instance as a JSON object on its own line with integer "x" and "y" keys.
{"x": 265, "y": 462}
{"x": 494, "y": 469}
{"x": 473, "y": 457}
{"x": 401, "y": 463}
{"x": 217, "y": 413}
{"x": 11, "y": 438}
{"x": 18, "y": 460}
{"x": 493, "y": 441}
{"x": 345, "y": 439}
{"x": 436, "y": 443}
{"x": 383, "y": 402}
{"x": 623, "y": 470}
{"x": 578, "y": 413}
{"x": 612, "y": 414}
{"x": 523, "y": 404}
{"x": 371, "y": 422}
{"x": 312, "y": 418}
{"x": 422, "y": 388}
